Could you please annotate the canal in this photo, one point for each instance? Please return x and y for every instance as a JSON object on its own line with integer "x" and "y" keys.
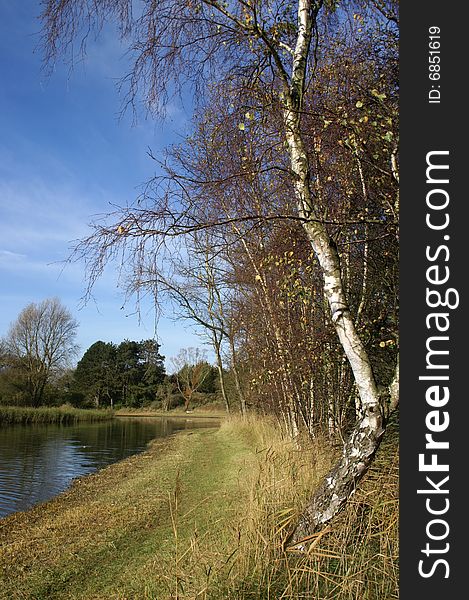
{"x": 37, "y": 462}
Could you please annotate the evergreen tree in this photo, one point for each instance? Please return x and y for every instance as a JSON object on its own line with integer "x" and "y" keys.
{"x": 96, "y": 374}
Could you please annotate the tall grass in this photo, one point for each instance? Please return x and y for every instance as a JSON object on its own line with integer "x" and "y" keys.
{"x": 203, "y": 516}
{"x": 354, "y": 558}
{"x": 10, "y": 415}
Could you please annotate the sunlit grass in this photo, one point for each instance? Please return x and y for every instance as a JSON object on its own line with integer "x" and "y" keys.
{"x": 202, "y": 515}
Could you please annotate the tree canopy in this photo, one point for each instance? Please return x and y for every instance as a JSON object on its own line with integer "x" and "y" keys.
{"x": 128, "y": 373}
{"x": 38, "y": 347}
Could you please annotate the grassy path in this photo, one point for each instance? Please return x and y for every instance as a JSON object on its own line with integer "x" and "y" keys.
{"x": 200, "y": 516}
{"x": 153, "y": 526}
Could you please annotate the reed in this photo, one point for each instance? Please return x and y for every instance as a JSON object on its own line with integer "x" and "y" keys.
{"x": 10, "y": 415}
{"x": 355, "y": 557}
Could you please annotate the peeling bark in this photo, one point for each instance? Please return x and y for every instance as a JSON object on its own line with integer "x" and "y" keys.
{"x": 362, "y": 444}
{"x": 340, "y": 483}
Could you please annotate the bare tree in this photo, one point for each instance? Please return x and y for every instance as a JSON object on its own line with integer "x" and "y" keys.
{"x": 194, "y": 287}
{"x": 191, "y": 370}
{"x": 42, "y": 343}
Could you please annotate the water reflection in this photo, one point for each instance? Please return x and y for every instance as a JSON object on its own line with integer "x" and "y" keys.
{"x": 39, "y": 461}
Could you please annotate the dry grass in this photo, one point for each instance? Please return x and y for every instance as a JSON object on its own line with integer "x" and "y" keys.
{"x": 356, "y": 557}
{"x": 203, "y": 515}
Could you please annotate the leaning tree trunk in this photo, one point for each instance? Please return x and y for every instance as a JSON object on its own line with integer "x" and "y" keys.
{"x": 360, "y": 447}
{"x": 340, "y": 483}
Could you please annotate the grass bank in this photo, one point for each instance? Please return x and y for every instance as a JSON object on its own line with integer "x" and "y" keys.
{"x": 202, "y": 515}
{"x": 202, "y": 412}
{"x": 10, "y": 415}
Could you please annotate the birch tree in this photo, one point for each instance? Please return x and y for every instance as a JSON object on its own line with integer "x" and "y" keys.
{"x": 267, "y": 51}
{"x": 196, "y": 289}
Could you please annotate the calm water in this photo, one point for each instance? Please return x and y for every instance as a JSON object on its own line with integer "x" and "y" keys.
{"x": 38, "y": 462}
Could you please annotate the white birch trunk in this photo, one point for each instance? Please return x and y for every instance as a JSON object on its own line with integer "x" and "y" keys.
{"x": 312, "y": 408}
{"x": 359, "y": 449}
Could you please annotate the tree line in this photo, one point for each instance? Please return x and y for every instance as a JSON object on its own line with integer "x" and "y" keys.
{"x": 132, "y": 374}
{"x": 35, "y": 367}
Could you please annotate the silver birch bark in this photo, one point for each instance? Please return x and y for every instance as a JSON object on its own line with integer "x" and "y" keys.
{"x": 359, "y": 449}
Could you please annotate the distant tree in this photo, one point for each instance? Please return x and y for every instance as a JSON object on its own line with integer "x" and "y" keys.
{"x": 65, "y": 390}
{"x": 191, "y": 371}
{"x": 211, "y": 382}
{"x": 10, "y": 378}
{"x": 128, "y": 373}
{"x": 129, "y": 368}
{"x": 140, "y": 370}
{"x": 166, "y": 393}
{"x": 40, "y": 345}
{"x": 154, "y": 373}
{"x": 96, "y": 376}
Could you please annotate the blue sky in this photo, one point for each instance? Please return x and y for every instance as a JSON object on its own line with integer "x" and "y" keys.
{"x": 65, "y": 156}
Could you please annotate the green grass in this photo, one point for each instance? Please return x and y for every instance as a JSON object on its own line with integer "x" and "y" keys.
{"x": 10, "y": 415}
{"x": 202, "y": 515}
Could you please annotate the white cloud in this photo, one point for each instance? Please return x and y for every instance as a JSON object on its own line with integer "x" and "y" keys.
{"x": 41, "y": 218}
{"x": 7, "y": 257}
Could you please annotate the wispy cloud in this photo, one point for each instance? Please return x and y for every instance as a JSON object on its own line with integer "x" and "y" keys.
{"x": 64, "y": 158}
{"x": 7, "y": 256}
{"x": 37, "y": 215}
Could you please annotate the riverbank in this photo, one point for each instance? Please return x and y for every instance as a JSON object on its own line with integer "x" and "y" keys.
{"x": 202, "y": 515}
{"x": 10, "y": 415}
{"x": 176, "y": 413}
